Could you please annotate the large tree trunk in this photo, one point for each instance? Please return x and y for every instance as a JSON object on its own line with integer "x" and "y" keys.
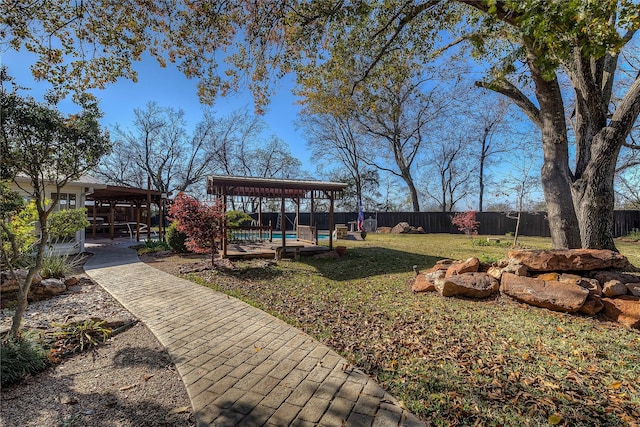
{"x": 556, "y": 184}
{"x": 555, "y": 175}
{"x": 414, "y": 194}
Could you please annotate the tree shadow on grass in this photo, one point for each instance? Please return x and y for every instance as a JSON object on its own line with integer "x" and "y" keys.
{"x": 359, "y": 263}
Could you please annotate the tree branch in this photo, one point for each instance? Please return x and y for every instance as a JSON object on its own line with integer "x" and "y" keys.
{"x": 507, "y": 89}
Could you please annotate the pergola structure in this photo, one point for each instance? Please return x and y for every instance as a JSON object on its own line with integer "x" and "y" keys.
{"x": 138, "y": 199}
{"x": 269, "y": 188}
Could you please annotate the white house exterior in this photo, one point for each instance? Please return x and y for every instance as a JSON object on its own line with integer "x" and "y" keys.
{"x": 72, "y": 196}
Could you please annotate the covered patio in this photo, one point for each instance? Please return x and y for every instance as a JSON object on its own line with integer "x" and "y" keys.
{"x": 225, "y": 187}
{"x": 123, "y": 211}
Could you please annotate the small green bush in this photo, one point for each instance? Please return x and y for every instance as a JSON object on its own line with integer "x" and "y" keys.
{"x": 76, "y": 337}
{"x": 20, "y": 357}
{"x": 152, "y": 246}
{"x": 176, "y": 239}
{"x": 485, "y": 242}
{"x": 634, "y": 235}
{"x": 57, "y": 264}
{"x": 238, "y": 218}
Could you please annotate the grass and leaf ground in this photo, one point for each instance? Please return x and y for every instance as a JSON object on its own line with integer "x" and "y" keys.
{"x": 451, "y": 361}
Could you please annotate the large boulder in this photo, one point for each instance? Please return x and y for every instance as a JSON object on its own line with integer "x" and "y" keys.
{"x": 570, "y": 259}
{"x": 554, "y": 295}
{"x": 471, "y": 265}
{"x": 592, "y": 306}
{"x": 634, "y": 289}
{"x": 9, "y": 284}
{"x": 47, "y": 288}
{"x": 614, "y": 288}
{"x": 402, "y": 227}
{"x": 624, "y": 310}
{"x": 442, "y": 264}
{"x": 607, "y": 275}
{"x": 472, "y": 285}
{"x": 426, "y": 282}
{"x": 592, "y": 285}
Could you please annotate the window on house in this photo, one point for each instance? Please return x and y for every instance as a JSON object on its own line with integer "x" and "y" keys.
{"x": 66, "y": 201}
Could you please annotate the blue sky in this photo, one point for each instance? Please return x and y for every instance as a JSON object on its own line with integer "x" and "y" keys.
{"x": 169, "y": 88}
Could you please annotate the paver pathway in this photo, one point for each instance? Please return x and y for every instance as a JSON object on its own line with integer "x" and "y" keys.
{"x": 240, "y": 365}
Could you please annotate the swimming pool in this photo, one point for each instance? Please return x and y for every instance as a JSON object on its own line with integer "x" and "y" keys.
{"x": 292, "y": 236}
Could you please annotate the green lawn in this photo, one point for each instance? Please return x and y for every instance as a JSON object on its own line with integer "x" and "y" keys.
{"x": 452, "y": 361}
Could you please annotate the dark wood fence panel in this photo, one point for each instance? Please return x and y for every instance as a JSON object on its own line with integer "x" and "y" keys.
{"x": 491, "y": 223}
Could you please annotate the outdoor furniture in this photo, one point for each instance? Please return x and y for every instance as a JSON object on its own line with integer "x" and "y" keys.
{"x": 353, "y": 226}
{"x": 283, "y": 249}
{"x": 341, "y": 231}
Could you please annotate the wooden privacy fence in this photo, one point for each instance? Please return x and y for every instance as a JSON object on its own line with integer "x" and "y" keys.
{"x": 492, "y": 223}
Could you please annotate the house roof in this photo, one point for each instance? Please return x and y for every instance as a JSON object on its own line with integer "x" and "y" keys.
{"x": 84, "y": 181}
{"x": 272, "y": 187}
{"x": 124, "y": 194}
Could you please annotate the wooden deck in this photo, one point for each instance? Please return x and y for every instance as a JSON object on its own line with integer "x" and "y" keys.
{"x": 266, "y": 249}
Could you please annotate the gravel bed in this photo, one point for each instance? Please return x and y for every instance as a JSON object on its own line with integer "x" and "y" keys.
{"x": 128, "y": 381}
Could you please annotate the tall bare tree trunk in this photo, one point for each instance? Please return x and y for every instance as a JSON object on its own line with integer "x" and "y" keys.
{"x": 555, "y": 175}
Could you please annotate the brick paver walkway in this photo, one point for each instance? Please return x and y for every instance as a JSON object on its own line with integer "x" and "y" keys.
{"x": 242, "y": 366}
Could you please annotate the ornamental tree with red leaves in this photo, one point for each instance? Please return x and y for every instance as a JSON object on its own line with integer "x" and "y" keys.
{"x": 200, "y": 222}
{"x": 466, "y": 222}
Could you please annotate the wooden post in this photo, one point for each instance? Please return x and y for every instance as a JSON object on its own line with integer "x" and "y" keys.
{"x": 148, "y": 208}
{"x": 283, "y": 225}
{"x": 112, "y": 217}
{"x": 137, "y": 211}
{"x": 331, "y": 224}
{"x": 297, "y": 224}
{"x": 312, "y": 219}
{"x": 93, "y": 228}
{"x": 224, "y": 223}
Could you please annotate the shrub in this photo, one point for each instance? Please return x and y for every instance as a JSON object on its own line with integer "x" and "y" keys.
{"x": 152, "y": 246}
{"x": 75, "y": 337}
{"x": 199, "y": 221}
{"x": 64, "y": 224}
{"x": 20, "y": 357}
{"x": 56, "y": 264}
{"x": 176, "y": 239}
{"x": 237, "y": 218}
{"x": 466, "y": 222}
{"x": 634, "y": 235}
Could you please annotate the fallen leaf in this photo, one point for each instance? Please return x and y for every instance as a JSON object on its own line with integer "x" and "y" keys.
{"x": 180, "y": 410}
{"x": 615, "y": 385}
{"x": 148, "y": 377}
{"x": 555, "y": 419}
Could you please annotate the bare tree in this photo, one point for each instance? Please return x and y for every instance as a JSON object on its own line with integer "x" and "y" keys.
{"x": 397, "y": 123}
{"x": 339, "y": 151}
{"x": 449, "y": 160}
{"x": 520, "y": 184}
{"x": 159, "y": 147}
{"x": 489, "y": 123}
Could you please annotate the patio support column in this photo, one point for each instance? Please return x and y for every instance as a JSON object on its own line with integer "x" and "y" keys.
{"x": 283, "y": 225}
{"x": 331, "y": 224}
{"x": 137, "y": 211}
{"x": 148, "y": 208}
{"x": 93, "y": 228}
{"x": 112, "y": 218}
{"x": 297, "y": 224}
{"x": 223, "y": 242}
{"x": 312, "y": 219}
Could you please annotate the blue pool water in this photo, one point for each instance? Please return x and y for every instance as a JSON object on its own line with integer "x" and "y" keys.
{"x": 292, "y": 236}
